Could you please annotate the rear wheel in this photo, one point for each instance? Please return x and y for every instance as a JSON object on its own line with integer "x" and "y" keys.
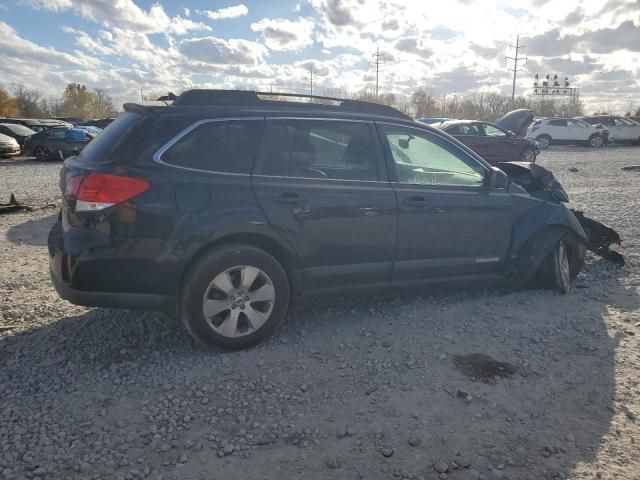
{"x": 596, "y": 141}
{"x": 234, "y": 297}
{"x": 528, "y": 155}
{"x": 42, "y": 153}
{"x": 544, "y": 141}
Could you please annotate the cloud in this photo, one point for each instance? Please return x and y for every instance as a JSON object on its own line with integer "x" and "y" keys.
{"x": 282, "y": 34}
{"x": 414, "y": 45}
{"x": 215, "y": 50}
{"x": 124, "y": 14}
{"x": 227, "y": 12}
{"x": 18, "y": 49}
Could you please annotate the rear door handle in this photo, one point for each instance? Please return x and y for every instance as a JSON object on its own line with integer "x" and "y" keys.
{"x": 289, "y": 198}
{"x": 416, "y": 202}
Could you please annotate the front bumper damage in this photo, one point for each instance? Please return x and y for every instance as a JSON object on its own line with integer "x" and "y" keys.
{"x": 540, "y": 183}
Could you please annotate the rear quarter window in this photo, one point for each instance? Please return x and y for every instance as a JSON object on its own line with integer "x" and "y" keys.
{"x": 120, "y": 137}
{"x": 227, "y": 146}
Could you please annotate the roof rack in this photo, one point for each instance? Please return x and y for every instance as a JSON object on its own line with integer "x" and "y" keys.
{"x": 202, "y": 97}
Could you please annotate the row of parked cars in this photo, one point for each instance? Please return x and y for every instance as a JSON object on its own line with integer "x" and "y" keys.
{"x": 44, "y": 139}
{"x": 518, "y": 135}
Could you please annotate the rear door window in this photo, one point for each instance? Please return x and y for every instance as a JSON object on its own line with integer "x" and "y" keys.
{"x": 323, "y": 149}
{"x": 216, "y": 146}
{"x": 557, "y": 123}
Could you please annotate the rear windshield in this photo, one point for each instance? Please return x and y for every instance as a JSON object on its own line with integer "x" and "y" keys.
{"x": 111, "y": 143}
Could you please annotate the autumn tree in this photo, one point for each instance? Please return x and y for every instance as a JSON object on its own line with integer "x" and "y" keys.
{"x": 8, "y": 106}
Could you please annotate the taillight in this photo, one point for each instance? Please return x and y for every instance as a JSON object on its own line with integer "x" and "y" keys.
{"x": 97, "y": 191}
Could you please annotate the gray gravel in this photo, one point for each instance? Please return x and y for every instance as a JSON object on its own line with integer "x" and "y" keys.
{"x": 354, "y": 388}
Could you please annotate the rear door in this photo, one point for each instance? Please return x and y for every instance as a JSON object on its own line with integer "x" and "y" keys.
{"x": 449, "y": 221}
{"x": 322, "y": 184}
{"x": 557, "y": 130}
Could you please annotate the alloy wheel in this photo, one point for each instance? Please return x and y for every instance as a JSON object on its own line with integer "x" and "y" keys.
{"x": 238, "y": 301}
{"x": 544, "y": 142}
{"x": 41, "y": 153}
{"x": 596, "y": 141}
{"x": 528, "y": 155}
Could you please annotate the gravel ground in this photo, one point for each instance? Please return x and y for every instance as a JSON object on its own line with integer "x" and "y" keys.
{"x": 436, "y": 384}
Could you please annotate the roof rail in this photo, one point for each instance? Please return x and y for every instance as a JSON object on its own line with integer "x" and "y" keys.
{"x": 203, "y": 97}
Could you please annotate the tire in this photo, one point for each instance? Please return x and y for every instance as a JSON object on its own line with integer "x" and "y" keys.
{"x": 557, "y": 272}
{"x": 216, "y": 303}
{"x": 529, "y": 155}
{"x": 544, "y": 141}
{"x": 42, "y": 153}
{"x": 596, "y": 141}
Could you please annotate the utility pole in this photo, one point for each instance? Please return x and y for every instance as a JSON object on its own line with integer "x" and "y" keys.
{"x": 515, "y": 60}
{"x": 377, "y": 62}
{"x": 311, "y": 78}
{"x": 141, "y": 95}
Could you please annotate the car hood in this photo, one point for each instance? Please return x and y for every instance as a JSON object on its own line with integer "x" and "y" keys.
{"x": 517, "y": 121}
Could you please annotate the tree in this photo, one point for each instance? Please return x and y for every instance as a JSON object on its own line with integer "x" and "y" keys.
{"x": 79, "y": 101}
{"x": 8, "y": 106}
{"x": 28, "y": 101}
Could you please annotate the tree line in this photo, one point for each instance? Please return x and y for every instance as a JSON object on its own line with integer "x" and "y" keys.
{"x": 77, "y": 100}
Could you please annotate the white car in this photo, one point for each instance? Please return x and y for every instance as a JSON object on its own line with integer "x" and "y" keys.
{"x": 555, "y": 131}
{"x": 8, "y": 146}
{"x": 621, "y": 129}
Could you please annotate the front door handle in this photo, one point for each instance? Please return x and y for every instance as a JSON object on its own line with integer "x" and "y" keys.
{"x": 289, "y": 198}
{"x": 415, "y": 202}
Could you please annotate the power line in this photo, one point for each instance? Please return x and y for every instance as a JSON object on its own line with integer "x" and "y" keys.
{"x": 515, "y": 70}
{"x": 377, "y": 62}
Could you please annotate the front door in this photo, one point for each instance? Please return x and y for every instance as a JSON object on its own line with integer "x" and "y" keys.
{"x": 449, "y": 221}
{"x": 323, "y": 186}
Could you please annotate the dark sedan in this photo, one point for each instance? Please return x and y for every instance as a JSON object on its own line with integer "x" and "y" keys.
{"x": 57, "y": 143}
{"x": 17, "y": 131}
{"x": 491, "y": 142}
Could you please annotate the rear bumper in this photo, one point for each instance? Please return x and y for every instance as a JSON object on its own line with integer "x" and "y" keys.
{"x": 60, "y": 270}
{"x": 136, "y": 301}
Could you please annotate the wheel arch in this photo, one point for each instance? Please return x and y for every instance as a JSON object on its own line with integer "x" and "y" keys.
{"x": 283, "y": 255}
{"x": 532, "y": 252}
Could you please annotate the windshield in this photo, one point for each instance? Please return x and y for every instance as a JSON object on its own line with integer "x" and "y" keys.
{"x": 19, "y": 129}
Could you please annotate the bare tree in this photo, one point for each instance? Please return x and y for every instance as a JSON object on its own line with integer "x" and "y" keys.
{"x": 27, "y": 101}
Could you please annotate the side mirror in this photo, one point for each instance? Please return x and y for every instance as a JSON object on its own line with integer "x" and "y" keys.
{"x": 498, "y": 179}
{"x": 510, "y": 133}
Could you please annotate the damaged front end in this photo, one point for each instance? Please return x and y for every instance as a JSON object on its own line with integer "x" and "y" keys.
{"x": 540, "y": 183}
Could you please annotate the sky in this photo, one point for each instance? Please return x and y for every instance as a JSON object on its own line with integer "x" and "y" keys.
{"x": 446, "y": 47}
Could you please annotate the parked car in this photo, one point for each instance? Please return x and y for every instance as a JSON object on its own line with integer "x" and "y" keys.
{"x": 51, "y": 144}
{"x": 17, "y": 131}
{"x": 8, "y": 146}
{"x": 634, "y": 119}
{"x": 621, "y": 129}
{"x": 34, "y": 125}
{"x": 54, "y": 123}
{"x": 99, "y": 122}
{"x": 558, "y": 131}
{"x": 491, "y": 142}
{"x": 433, "y": 120}
{"x": 223, "y": 215}
{"x": 90, "y": 129}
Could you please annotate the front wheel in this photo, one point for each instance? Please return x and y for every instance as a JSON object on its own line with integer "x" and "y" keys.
{"x": 596, "y": 141}
{"x": 544, "y": 141}
{"x": 234, "y": 297}
{"x": 556, "y": 271}
{"x": 529, "y": 155}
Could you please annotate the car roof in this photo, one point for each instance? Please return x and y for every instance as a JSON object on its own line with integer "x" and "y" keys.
{"x": 14, "y": 120}
{"x": 216, "y": 103}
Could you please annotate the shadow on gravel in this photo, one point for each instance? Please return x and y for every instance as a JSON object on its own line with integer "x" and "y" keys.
{"x": 384, "y": 366}
{"x": 32, "y": 232}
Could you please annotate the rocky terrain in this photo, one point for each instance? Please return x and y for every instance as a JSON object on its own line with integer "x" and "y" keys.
{"x": 458, "y": 383}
